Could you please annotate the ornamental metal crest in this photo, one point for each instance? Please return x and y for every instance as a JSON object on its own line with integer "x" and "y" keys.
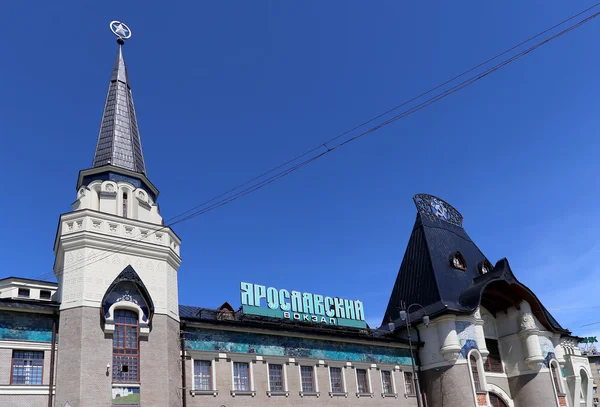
{"x": 436, "y": 208}
{"x": 120, "y": 30}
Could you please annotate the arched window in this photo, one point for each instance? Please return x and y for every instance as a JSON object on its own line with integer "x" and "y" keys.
{"x": 475, "y": 373}
{"x": 477, "y": 378}
{"x": 496, "y": 401}
{"x": 124, "y": 204}
{"x": 126, "y": 352}
{"x": 555, "y": 373}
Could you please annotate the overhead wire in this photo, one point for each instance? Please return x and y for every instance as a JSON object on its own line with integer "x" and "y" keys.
{"x": 201, "y": 209}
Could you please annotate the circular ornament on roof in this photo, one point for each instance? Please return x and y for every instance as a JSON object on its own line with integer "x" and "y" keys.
{"x": 437, "y": 209}
{"x": 120, "y": 30}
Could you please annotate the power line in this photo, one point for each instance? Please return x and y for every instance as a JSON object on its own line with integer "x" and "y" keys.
{"x": 200, "y": 209}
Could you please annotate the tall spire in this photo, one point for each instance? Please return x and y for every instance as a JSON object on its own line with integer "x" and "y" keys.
{"x": 119, "y": 141}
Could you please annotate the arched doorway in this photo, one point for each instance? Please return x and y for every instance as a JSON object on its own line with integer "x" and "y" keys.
{"x": 496, "y": 401}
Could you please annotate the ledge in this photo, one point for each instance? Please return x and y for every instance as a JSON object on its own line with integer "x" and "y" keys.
{"x": 204, "y": 393}
{"x": 25, "y": 389}
{"x": 278, "y": 393}
{"x": 309, "y": 394}
{"x": 394, "y": 395}
{"x": 364, "y": 395}
{"x": 338, "y": 394}
{"x": 242, "y": 393}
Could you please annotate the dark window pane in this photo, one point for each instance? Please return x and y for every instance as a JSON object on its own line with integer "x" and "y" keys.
{"x": 27, "y": 367}
{"x": 202, "y": 375}
{"x": 337, "y": 385}
{"x": 307, "y": 377}
{"x": 386, "y": 378}
{"x": 276, "y": 377}
{"x": 363, "y": 380}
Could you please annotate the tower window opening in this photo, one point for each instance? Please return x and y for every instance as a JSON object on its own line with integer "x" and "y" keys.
{"x": 126, "y": 347}
{"x": 124, "y": 204}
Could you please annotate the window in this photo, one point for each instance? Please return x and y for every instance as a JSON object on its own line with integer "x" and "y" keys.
{"x": 598, "y": 362}
{"x": 494, "y": 361}
{"x": 458, "y": 262}
{"x": 45, "y": 295}
{"x": 595, "y": 391}
{"x": 275, "y": 377}
{"x": 241, "y": 376}
{"x": 362, "y": 378}
{"x": 24, "y": 292}
{"x": 202, "y": 375}
{"x": 475, "y": 373}
{"x": 126, "y": 347}
{"x": 27, "y": 367}
{"x": 409, "y": 384}
{"x": 337, "y": 382}
{"x": 386, "y": 380}
{"x": 307, "y": 376}
{"x": 555, "y": 377}
{"x": 124, "y": 204}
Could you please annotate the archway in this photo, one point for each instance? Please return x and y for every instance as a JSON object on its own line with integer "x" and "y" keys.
{"x": 584, "y": 389}
{"x": 496, "y": 401}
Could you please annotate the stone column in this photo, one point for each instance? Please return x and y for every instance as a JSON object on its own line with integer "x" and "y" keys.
{"x": 446, "y": 327}
{"x": 480, "y": 335}
{"x": 529, "y": 334}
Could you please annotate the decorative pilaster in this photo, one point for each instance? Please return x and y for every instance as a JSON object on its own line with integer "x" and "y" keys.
{"x": 446, "y": 327}
{"x": 529, "y": 334}
{"x": 480, "y": 334}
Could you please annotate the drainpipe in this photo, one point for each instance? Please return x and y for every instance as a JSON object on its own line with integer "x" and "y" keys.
{"x": 183, "y": 388}
{"x": 52, "y": 353}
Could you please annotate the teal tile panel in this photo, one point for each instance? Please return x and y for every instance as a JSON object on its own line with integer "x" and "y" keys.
{"x": 25, "y": 326}
{"x": 274, "y": 345}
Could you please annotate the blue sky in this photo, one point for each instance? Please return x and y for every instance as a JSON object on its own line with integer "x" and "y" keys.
{"x": 226, "y": 90}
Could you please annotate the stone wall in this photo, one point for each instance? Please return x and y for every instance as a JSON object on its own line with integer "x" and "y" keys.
{"x": 532, "y": 390}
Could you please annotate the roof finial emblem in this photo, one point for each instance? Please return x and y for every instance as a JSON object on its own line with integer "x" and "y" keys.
{"x": 120, "y": 30}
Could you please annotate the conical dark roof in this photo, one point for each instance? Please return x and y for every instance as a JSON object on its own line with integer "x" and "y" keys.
{"x": 119, "y": 141}
{"x": 428, "y": 276}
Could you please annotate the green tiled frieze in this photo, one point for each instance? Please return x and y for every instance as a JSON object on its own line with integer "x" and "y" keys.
{"x": 273, "y": 345}
{"x": 25, "y": 326}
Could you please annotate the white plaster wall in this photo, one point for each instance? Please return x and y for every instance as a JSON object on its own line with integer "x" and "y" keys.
{"x": 139, "y": 204}
{"x": 95, "y": 248}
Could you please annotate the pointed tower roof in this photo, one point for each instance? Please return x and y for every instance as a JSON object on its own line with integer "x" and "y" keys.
{"x": 444, "y": 271}
{"x": 119, "y": 141}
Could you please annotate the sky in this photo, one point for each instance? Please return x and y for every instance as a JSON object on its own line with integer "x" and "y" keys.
{"x": 227, "y": 90}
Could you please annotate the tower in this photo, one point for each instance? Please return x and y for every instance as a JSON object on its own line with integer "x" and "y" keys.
{"x": 116, "y": 265}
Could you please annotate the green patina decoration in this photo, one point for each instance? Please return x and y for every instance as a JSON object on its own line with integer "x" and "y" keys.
{"x": 273, "y": 345}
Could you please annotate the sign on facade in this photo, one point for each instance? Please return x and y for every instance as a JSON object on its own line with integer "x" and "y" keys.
{"x": 298, "y": 306}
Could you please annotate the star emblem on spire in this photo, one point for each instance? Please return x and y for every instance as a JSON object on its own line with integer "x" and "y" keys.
{"x": 120, "y": 30}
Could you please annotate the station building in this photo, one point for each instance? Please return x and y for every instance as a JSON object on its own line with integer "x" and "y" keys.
{"x": 111, "y": 330}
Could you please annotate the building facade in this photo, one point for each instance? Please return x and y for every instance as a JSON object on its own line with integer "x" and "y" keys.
{"x": 111, "y": 330}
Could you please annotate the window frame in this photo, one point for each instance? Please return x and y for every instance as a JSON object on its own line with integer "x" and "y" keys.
{"x": 392, "y": 383}
{"x": 249, "y": 378}
{"x": 483, "y": 388}
{"x": 28, "y": 290}
{"x": 284, "y": 384}
{"x": 195, "y": 373}
{"x": 12, "y": 366}
{"x": 46, "y": 292}
{"x": 315, "y": 382}
{"x": 556, "y": 377}
{"x": 411, "y": 383}
{"x": 369, "y": 387}
{"x": 125, "y": 348}
{"x": 488, "y": 366}
{"x": 344, "y": 391}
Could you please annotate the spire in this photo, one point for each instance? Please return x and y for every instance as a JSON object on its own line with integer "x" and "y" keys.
{"x": 119, "y": 141}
